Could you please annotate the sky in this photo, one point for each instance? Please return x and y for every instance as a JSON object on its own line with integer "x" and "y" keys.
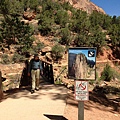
{"x": 84, "y": 51}
{"x": 111, "y": 7}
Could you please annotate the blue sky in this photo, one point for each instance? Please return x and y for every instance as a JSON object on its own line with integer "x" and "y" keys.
{"x": 84, "y": 51}
{"x": 111, "y": 7}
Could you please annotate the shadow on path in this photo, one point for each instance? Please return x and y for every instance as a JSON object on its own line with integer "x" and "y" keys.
{"x": 53, "y": 92}
{"x": 55, "y": 117}
{"x": 95, "y": 99}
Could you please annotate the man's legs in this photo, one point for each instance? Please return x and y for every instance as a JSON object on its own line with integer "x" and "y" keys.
{"x": 37, "y": 79}
{"x": 33, "y": 72}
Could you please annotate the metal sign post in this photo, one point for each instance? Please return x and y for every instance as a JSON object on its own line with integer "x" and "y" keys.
{"x": 81, "y": 110}
{"x": 81, "y": 94}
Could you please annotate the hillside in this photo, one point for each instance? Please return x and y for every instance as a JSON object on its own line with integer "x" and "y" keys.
{"x": 51, "y": 27}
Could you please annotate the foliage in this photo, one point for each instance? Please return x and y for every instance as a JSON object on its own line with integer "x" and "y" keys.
{"x": 16, "y": 32}
{"x": 57, "y": 52}
{"x": 17, "y": 58}
{"x": 61, "y": 17}
{"x": 45, "y": 25}
{"x": 38, "y": 47}
{"x": 11, "y": 8}
{"x": 5, "y": 59}
{"x": 77, "y": 27}
{"x": 114, "y": 33}
{"x": 79, "y": 22}
{"x": 98, "y": 38}
{"x": 65, "y": 36}
{"x": 107, "y": 73}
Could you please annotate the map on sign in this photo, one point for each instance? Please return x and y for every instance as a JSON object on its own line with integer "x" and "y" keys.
{"x": 82, "y": 63}
{"x": 81, "y": 90}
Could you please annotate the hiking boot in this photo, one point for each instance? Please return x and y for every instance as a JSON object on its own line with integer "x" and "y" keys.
{"x": 32, "y": 91}
{"x": 37, "y": 89}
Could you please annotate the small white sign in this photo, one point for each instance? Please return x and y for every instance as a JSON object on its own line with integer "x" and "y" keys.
{"x": 81, "y": 90}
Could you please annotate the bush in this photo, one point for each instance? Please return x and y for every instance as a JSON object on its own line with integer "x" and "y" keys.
{"x": 37, "y": 48}
{"x": 65, "y": 36}
{"x": 45, "y": 25}
{"x": 61, "y": 18}
{"x": 57, "y": 52}
{"x": 107, "y": 73}
{"x": 5, "y": 59}
{"x": 17, "y": 58}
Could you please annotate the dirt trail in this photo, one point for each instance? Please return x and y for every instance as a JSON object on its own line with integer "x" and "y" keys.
{"x": 94, "y": 109}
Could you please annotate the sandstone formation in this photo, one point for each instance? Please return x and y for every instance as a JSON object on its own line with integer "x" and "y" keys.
{"x": 85, "y": 5}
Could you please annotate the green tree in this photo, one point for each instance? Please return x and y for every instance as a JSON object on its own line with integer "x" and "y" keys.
{"x": 114, "y": 32}
{"x": 62, "y": 17}
{"x": 45, "y": 24}
{"x": 97, "y": 38}
{"x": 57, "y": 52}
{"x": 65, "y": 36}
{"x": 79, "y": 22}
{"x": 11, "y": 8}
{"x": 107, "y": 73}
{"x": 17, "y": 32}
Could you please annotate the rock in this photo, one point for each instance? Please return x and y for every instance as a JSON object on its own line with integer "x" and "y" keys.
{"x": 55, "y": 69}
{"x": 1, "y": 53}
{"x": 70, "y": 86}
{"x": 46, "y": 49}
{"x": 48, "y": 56}
{"x": 29, "y": 15}
{"x": 85, "y": 5}
{"x": 69, "y": 13}
{"x": 34, "y": 22}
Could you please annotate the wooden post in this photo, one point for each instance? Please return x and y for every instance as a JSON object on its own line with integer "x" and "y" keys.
{"x": 81, "y": 110}
{"x": 1, "y": 91}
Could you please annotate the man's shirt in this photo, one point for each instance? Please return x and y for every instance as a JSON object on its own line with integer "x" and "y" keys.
{"x": 35, "y": 65}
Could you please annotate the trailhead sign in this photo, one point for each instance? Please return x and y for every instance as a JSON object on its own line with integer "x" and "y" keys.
{"x": 81, "y": 68}
{"x": 81, "y": 90}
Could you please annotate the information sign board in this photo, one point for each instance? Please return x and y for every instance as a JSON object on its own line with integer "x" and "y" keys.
{"x": 81, "y": 90}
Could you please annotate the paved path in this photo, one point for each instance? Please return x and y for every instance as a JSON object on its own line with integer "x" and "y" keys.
{"x": 46, "y": 104}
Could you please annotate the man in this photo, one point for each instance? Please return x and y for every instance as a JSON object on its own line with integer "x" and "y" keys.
{"x": 35, "y": 68}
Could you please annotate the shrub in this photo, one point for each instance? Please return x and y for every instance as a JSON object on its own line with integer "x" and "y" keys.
{"x": 5, "y": 59}
{"x": 37, "y": 48}
{"x": 107, "y": 73}
{"x": 45, "y": 25}
{"x": 57, "y": 52}
{"x": 61, "y": 17}
{"x": 65, "y": 36}
{"x": 17, "y": 58}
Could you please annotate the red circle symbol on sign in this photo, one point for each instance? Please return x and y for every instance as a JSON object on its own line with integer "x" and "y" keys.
{"x": 82, "y": 86}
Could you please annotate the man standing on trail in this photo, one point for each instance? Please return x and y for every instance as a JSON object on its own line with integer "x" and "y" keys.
{"x": 35, "y": 68}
